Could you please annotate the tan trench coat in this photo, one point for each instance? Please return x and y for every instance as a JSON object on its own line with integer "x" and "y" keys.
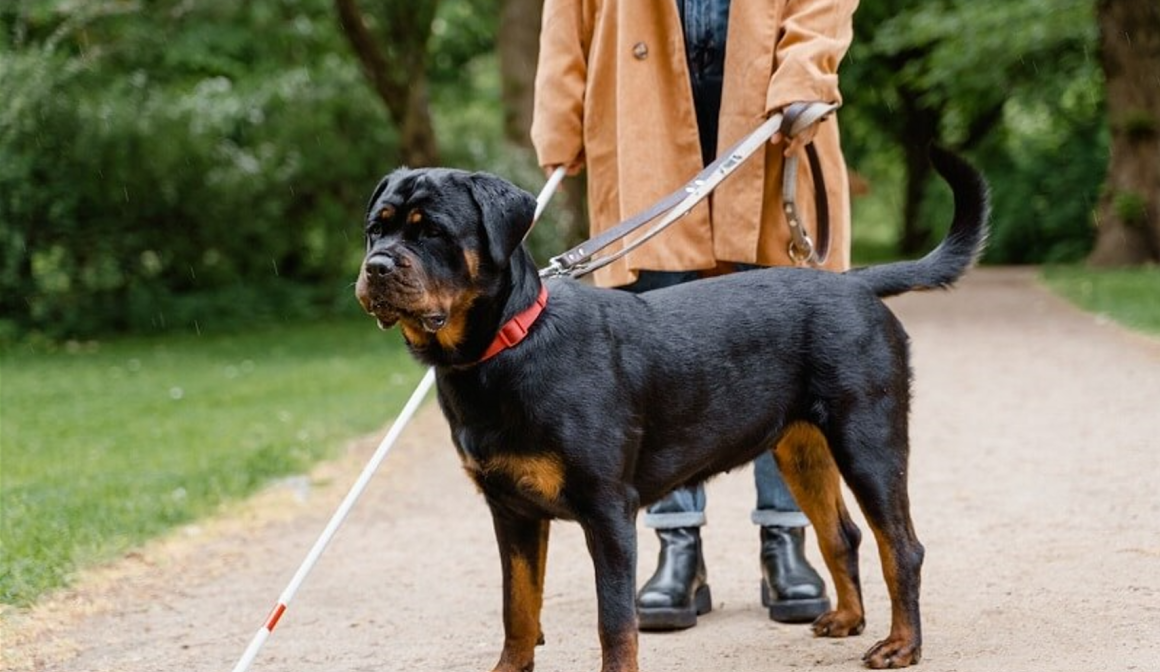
{"x": 612, "y": 86}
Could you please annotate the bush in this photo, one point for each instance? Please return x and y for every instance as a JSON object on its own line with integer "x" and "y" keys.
{"x": 194, "y": 197}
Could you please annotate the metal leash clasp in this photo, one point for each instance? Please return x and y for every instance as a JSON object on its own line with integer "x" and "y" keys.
{"x": 801, "y": 246}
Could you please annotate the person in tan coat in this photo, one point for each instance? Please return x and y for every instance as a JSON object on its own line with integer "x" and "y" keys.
{"x": 644, "y": 95}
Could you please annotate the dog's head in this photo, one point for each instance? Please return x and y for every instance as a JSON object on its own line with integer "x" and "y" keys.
{"x": 437, "y": 241}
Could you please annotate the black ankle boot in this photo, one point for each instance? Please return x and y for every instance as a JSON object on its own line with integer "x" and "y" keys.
{"x": 677, "y": 593}
{"x": 790, "y": 587}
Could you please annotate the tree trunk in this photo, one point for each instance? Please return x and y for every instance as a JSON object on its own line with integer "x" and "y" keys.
{"x": 920, "y": 130}
{"x": 1128, "y": 217}
{"x": 519, "y": 47}
{"x": 397, "y": 71}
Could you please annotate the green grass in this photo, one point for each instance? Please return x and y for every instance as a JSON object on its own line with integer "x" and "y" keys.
{"x": 105, "y": 445}
{"x": 1129, "y": 296}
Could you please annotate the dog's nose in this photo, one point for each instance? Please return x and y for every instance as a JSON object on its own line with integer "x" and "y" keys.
{"x": 380, "y": 266}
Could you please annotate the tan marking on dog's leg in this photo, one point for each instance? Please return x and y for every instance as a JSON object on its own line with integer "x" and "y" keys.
{"x": 621, "y": 653}
{"x": 473, "y": 470}
{"x": 803, "y": 456}
{"x": 524, "y": 570}
{"x": 901, "y": 563}
{"x": 540, "y": 474}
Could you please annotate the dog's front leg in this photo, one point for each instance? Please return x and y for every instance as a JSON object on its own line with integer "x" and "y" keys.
{"x": 611, "y": 535}
{"x": 523, "y": 550}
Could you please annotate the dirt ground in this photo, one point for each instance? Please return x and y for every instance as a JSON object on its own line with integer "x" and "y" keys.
{"x": 1036, "y": 456}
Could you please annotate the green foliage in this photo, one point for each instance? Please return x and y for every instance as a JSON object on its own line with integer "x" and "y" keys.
{"x": 1046, "y": 166}
{"x": 979, "y": 53}
{"x": 1015, "y": 82}
{"x": 147, "y": 177}
{"x": 108, "y": 444}
{"x": 1127, "y": 296}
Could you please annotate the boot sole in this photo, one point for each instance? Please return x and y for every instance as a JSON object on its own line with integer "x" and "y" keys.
{"x": 674, "y": 618}
{"x": 793, "y": 611}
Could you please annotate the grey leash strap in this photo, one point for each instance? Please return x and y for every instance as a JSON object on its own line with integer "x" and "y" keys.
{"x": 802, "y": 249}
{"x": 579, "y": 260}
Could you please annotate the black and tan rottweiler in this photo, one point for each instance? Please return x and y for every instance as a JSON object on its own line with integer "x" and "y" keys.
{"x": 568, "y": 401}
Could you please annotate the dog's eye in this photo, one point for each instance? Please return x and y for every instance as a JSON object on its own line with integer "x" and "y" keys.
{"x": 374, "y": 228}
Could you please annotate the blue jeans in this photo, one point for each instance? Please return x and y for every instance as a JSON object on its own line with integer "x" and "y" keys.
{"x": 685, "y": 507}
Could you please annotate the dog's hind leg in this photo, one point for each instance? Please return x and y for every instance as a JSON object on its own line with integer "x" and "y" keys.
{"x": 523, "y": 549}
{"x": 873, "y": 462}
{"x": 804, "y": 459}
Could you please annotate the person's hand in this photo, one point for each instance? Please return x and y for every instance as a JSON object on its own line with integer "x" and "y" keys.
{"x": 797, "y": 142}
{"x": 570, "y": 169}
{"x": 803, "y": 138}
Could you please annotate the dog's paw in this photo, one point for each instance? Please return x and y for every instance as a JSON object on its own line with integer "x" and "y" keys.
{"x": 838, "y": 624}
{"x": 893, "y": 652}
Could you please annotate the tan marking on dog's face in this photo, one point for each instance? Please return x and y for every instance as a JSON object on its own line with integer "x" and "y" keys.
{"x": 415, "y": 217}
{"x": 361, "y": 290}
{"x": 542, "y": 475}
{"x": 452, "y": 304}
{"x": 471, "y": 260}
{"x": 451, "y": 336}
{"x": 386, "y": 213}
{"x": 415, "y": 334}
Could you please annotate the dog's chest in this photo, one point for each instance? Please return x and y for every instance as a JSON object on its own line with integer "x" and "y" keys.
{"x": 535, "y": 480}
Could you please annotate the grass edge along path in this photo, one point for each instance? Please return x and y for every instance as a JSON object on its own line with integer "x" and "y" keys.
{"x": 1128, "y": 296}
{"x": 106, "y": 445}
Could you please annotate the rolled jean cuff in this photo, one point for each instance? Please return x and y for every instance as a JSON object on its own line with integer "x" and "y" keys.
{"x": 774, "y": 518}
{"x": 669, "y": 521}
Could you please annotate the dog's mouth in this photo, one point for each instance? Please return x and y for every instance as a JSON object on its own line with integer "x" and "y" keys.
{"x": 388, "y": 315}
{"x": 388, "y": 308}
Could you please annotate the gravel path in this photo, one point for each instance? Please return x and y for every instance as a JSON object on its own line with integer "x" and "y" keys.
{"x": 1036, "y": 459}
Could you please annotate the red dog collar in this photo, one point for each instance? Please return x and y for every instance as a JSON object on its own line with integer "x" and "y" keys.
{"x": 516, "y": 328}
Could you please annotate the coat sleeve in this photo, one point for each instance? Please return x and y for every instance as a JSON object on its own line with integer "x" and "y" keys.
{"x": 561, "y": 78}
{"x": 812, "y": 40}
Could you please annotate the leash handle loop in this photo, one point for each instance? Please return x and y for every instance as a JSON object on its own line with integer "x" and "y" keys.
{"x": 801, "y": 248}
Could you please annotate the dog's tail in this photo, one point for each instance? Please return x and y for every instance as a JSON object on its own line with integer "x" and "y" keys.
{"x": 957, "y": 252}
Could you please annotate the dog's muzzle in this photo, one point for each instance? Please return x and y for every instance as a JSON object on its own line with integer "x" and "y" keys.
{"x": 389, "y": 289}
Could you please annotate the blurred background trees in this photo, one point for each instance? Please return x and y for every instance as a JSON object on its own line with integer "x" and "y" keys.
{"x": 171, "y": 164}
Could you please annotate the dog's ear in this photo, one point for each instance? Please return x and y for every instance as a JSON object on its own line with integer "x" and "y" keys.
{"x": 507, "y": 213}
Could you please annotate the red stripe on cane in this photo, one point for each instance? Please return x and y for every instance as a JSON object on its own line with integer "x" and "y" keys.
{"x": 274, "y": 616}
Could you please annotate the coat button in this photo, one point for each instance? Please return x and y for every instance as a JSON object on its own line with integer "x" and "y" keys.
{"x": 640, "y": 51}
